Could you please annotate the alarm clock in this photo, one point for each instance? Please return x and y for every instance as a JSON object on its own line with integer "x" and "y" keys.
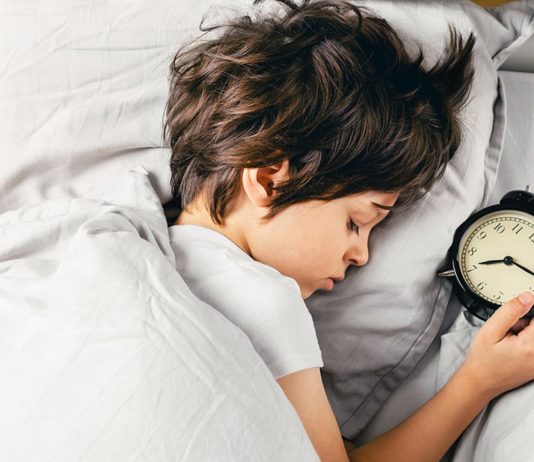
{"x": 491, "y": 259}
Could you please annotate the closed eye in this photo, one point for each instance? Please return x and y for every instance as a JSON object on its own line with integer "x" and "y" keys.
{"x": 353, "y": 227}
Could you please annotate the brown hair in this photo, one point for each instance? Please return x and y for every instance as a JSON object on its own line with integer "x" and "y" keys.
{"x": 327, "y": 85}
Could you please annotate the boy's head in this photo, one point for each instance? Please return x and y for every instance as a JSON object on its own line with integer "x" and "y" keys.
{"x": 317, "y": 104}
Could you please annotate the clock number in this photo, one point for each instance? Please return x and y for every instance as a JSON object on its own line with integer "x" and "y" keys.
{"x": 499, "y": 297}
{"x": 481, "y": 285}
{"x": 482, "y": 234}
{"x": 531, "y": 237}
{"x": 472, "y": 269}
{"x": 500, "y": 228}
{"x": 472, "y": 251}
{"x": 517, "y": 226}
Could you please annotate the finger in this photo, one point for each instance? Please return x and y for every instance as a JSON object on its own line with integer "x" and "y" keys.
{"x": 528, "y": 331}
{"x": 519, "y": 325}
{"x": 506, "y": 316}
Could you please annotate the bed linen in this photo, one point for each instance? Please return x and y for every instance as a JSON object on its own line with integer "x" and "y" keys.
{"x": 503, "y": 431}
{"x": 81, "y": 100}
{"x": 107, "y": 356}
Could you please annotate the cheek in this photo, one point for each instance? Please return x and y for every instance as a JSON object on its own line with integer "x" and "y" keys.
{"x": 307, "y": 242}
{"x": 290, "y": 249}
{"x": 317, "y": 247}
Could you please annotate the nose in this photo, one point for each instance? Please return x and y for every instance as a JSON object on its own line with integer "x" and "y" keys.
{"x": 358, "y": 253}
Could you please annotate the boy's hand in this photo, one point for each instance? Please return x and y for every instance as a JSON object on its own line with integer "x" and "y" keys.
{"x": 499, "y": 360}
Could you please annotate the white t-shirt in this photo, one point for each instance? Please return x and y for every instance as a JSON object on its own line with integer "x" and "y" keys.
{"x": 264, "y": 303}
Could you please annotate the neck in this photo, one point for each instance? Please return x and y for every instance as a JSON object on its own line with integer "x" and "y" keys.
{"x": 198, "y": 215}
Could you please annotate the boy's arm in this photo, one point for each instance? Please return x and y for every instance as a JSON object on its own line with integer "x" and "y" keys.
{"x": 425, "y": 436}
{"x": 306, "y": 392}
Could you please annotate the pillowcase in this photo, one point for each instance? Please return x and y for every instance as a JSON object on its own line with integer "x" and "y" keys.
{"x": 517, "y": 164}
{"x": 378, "y": 323}
{"x": 83, "y": 90}
{"x": 511, "y": 26}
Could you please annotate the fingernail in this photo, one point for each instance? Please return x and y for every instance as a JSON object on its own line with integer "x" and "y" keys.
{"x": 526, "y": 298}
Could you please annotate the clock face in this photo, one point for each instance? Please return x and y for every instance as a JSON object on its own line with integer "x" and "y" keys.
{"x": 496, "y": 255}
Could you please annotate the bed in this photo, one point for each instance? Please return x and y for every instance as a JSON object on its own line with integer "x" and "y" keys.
{"x": 107, "y": 355}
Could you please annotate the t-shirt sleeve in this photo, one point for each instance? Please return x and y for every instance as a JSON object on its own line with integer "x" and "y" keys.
{"x": 269, "y": 308}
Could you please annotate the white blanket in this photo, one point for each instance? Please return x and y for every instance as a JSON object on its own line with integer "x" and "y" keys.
{"x": 106, "y": 355}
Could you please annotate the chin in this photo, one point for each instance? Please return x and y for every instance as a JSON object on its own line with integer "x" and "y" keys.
{"x": 306, "y": 293}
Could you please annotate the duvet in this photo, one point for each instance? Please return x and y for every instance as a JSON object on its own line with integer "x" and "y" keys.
{"x": 105, "y": 354}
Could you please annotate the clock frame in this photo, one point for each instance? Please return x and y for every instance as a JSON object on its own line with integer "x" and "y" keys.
{"x": 522, "y": 201}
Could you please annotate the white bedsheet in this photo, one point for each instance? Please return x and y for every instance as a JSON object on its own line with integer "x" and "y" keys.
{"x": 107, "y": 356}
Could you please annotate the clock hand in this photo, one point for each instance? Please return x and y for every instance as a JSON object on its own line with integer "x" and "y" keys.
{"x": 490, "y": 262}
{"x": 507, "y": 260}
{"x": 523, "y": 268}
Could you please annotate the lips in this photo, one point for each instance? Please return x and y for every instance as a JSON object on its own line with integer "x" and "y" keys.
{"x": 331, "y": 280}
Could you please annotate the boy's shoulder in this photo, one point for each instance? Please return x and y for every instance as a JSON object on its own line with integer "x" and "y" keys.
{"x": 264, "y": 303}
{"x": 204, "y": 255}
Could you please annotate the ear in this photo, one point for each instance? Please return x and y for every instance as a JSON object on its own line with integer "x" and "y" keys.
{"x": 258, "y": 182}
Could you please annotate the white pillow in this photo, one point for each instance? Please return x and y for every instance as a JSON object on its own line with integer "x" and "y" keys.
{"x": 82, "y": 95}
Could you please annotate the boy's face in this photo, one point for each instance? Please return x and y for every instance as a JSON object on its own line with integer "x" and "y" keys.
{"x": 314, "y": 242}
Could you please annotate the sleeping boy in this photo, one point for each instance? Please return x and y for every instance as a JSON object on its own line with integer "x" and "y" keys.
{"x": 292, "y": 136}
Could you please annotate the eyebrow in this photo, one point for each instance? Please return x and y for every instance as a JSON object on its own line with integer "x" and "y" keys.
{"x": 382, "y": 206}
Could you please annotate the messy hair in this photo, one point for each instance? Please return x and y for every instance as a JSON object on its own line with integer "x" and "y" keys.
{"x": 328, "y": 86}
